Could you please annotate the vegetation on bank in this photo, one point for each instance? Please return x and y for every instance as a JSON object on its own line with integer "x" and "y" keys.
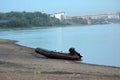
{"x": 27, "y": 19}
{"x": 38, "y": 19}
{"x": 76, "y": 21}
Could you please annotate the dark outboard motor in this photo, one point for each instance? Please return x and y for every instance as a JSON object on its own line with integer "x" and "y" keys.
{"x": 73, "y": 52}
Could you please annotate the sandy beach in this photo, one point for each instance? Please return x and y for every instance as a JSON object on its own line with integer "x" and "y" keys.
{"x": 19, "y": 62}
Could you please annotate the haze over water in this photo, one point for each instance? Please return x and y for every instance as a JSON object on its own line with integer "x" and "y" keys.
{"x": 100, "y": 44}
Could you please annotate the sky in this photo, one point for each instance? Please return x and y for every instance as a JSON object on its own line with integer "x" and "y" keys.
{"x": 71, "y": 7}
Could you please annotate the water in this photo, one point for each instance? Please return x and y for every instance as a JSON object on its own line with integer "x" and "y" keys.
{"x": 100, "y": 44}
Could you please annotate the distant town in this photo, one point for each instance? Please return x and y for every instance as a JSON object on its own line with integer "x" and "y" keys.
{"x": 108, "y": 18}
{"x": 41, "y": 19}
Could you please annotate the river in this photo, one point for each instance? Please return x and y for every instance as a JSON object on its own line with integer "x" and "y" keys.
{"x": 99, "y": 44}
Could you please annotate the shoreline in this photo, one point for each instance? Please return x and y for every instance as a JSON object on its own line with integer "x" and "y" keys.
{"x": 20, "y": 62}
{"x": 15, "y": 42}
{"x": 37, "y": 27}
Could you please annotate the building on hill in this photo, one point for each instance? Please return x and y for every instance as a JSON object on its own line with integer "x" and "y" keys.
{"x": 60, "y": 15}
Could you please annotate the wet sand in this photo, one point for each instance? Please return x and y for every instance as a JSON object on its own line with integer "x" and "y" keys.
{"x": 19, "y": 62}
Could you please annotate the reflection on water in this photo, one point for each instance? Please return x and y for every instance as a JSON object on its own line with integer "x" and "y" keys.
{"x": 100, "y": 44}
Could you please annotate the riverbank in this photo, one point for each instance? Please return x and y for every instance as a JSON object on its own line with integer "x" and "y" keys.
{"x": 22, "y": 63}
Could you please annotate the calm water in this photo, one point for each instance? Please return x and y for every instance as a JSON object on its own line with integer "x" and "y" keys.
{"x": 100, "y": 44}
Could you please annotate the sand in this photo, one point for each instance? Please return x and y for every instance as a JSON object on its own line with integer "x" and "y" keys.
{"x": 19, "y": 62}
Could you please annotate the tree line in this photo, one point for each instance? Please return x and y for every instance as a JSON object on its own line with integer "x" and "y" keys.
{"x": 27, "y": 19}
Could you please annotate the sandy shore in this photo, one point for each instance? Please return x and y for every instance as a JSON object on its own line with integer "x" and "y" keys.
{"x": 22, "y": 63}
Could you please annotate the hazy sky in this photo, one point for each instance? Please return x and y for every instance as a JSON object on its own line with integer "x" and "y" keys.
{"x": 71, "y": 7}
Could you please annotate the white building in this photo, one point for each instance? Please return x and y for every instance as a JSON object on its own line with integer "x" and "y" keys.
{"x": 114, "y": 15}
{"x": 61, "y": 16}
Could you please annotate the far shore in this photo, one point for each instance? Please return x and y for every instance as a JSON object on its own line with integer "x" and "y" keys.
{"x": 19, "y": 62}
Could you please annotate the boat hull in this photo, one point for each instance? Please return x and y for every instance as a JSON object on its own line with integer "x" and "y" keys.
{"x": 56, "y": 55}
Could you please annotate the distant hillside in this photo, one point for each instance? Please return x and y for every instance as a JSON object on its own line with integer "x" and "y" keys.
{"x": 27, "y": 19}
